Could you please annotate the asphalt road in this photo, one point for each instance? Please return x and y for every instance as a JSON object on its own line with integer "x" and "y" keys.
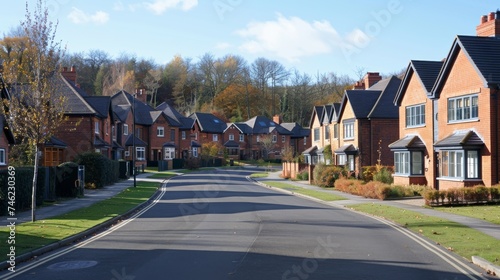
{"x": 218, "y": 225}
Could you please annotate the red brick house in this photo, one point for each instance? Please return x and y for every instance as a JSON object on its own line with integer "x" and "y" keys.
{"x": 364, "y": 119}
{"x": 462, "y": 112}
{"x": 414, "y": 160}
{"x": 87, "y": 127}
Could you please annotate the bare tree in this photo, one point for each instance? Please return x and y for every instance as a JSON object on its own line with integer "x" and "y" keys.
{"x": 36, "y": 107}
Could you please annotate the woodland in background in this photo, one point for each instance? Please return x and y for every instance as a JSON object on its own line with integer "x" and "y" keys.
{"x": 228, "y": 86}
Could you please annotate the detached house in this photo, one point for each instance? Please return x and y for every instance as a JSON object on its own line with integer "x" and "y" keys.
{"x": 87, "y": 127}
{"x": 463, "y": 115}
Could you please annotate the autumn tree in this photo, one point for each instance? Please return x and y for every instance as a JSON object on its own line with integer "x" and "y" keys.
{"x": 267, "y": 144}
{"x": 36, "y": 107}
{"x": 236, "y": 99}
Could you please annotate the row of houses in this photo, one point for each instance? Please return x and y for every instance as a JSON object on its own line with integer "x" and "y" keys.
{"x": 116, "y": 125}
{"x": 438, "y": 126}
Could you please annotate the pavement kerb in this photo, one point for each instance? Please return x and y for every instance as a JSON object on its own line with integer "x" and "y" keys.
{"x": 82, "y": 235}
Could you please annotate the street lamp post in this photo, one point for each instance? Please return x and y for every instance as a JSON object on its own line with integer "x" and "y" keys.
{"x": 133, "y": 141}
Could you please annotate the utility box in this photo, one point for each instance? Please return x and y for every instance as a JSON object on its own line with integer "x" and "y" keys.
{"x": 81, "y": 180}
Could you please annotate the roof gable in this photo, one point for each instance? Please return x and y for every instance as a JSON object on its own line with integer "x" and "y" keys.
{"x": 209, "y": 123}
{"x": 384, "y": 107}
{"x": 483, "y": 54}
{"x": 425, "y": 71}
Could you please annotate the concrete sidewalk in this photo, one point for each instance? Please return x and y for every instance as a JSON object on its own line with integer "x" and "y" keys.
{"x": 416, "y": 205}
{"x": 65, "y": 206}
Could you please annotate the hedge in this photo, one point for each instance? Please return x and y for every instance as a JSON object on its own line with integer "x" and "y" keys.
{"x": 99, "y": 170}
{"x": 23, "y": 191}
{"x": 462, "y": 196}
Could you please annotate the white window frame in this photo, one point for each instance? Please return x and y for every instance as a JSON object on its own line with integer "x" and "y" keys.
{"x": 463, "y": 109}
{"x": 242, "y": 137}
{"x": 349, "y": 130}
{"x": 275, "y": 138}
{"x": 168, "y": 153}
{"x": 96, "y": 127}
{"x": 183, "y": 135}
{"x": 195, "y": 152}
{"x": 125, "y": 129}
{"x": 160, "y": 131}
{"x": 327, "y": 132}
{"x": 258, "y": 139}
{"x": 215, "y": 137}
{"x": 460, "y": 164}
{"x": 305, "y": 140}
{"x": 415, "y": 115}
{"x": 140, "y": 151}
{"x": 283, "y": 138}
{"x": 231, "y": 137}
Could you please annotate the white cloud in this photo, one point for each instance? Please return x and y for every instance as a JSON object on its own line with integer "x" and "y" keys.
{"x": 160, "y": 6}
{"x": 80, "y": 17}
{"x": 290, "y": 38}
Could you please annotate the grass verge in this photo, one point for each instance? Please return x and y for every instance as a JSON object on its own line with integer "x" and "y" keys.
{"x": 464, "y": 241}
{"x": 259, "y": 175}
{"x": 162, "y": 175}
{"x": 30, "y": 236}
{"x": 489, "y": 213}
{"x": 313, "y": 193}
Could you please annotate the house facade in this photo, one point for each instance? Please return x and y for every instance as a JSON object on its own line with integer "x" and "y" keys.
{"x": 459, "y": 139}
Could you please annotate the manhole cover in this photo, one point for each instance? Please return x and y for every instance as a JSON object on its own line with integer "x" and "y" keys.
{"x": 69, "y": 265}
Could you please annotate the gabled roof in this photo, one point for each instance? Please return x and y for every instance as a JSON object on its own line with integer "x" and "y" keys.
{"x": 335, "y": 112}
{"x": 143, "y": 113}
{"x": 99, "y": 142}
{"x": 483, "y": 54}
{"x": 426, "y": 72}
{"x": 177, "y": 118}
{"x": 231, "y": 144}
{"x": 263, "y": 125}
{"x": 101, "y": 105}
{"x": 347, "y": 149}
{"x": 384, "y": 107}
{"x": 374, "y": 102}
{"x": 327, "y": 114}
{"x": 75, "y": 101}
{"x": 133, "y": 140}
{"x": 317, "y": 111}
{"x": 362, "y": 102}
{"x": 296, "y": 130}
{"x": 209, "y": 123}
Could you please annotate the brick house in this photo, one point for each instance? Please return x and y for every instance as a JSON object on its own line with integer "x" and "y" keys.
{"x": 87, "y": 127}
{"x": 364, "y": 119}
{"x": 414, "y": 158}
{"x": 6, "y": 135}
{"x": 185, "y": 137}
{"x": 206, "y": 128}
{"x": 464, "y": 137}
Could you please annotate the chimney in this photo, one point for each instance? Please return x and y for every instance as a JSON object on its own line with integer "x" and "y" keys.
{"x": 371, "y": 78}
{"x": 141, "y": 95}
{"x": 69, "y": 75}
{"x": 277, "y": 119}
{"x": 489, "y": 25}
{"x": 359, "y": 85}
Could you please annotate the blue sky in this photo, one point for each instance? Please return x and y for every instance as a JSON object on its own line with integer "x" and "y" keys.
{"x": 338, "y": 36}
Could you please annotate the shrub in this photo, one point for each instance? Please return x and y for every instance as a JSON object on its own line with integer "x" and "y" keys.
{"x": 495, "y": 192}
{"x": 368, "y": 172}
{"x": 383, "y": 174}
{"x": 326, "y": 175}
{"x": 303, "y": 175}
{"x": 99, "y": 170}
{"x": 192, "y": 163}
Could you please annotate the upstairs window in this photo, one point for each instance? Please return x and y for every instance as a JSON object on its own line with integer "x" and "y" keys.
{"x": 160, "y": 131}
{"x": 125, "y": 129}
{"x": 463, "y": 108}
{"x": 316, "y": 134}
{"x": 415, "y": 115}
{"x": 96, "y": 127}
{"x": 349, "y": 130}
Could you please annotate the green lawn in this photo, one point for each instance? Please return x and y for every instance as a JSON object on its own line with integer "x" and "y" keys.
{"x": 30, "y": 236}
{"x": 259, "y": 175}
{"x": 489, "y": 213}
{"x": 463, "y": 240}
{"x": 325, "y": 196}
